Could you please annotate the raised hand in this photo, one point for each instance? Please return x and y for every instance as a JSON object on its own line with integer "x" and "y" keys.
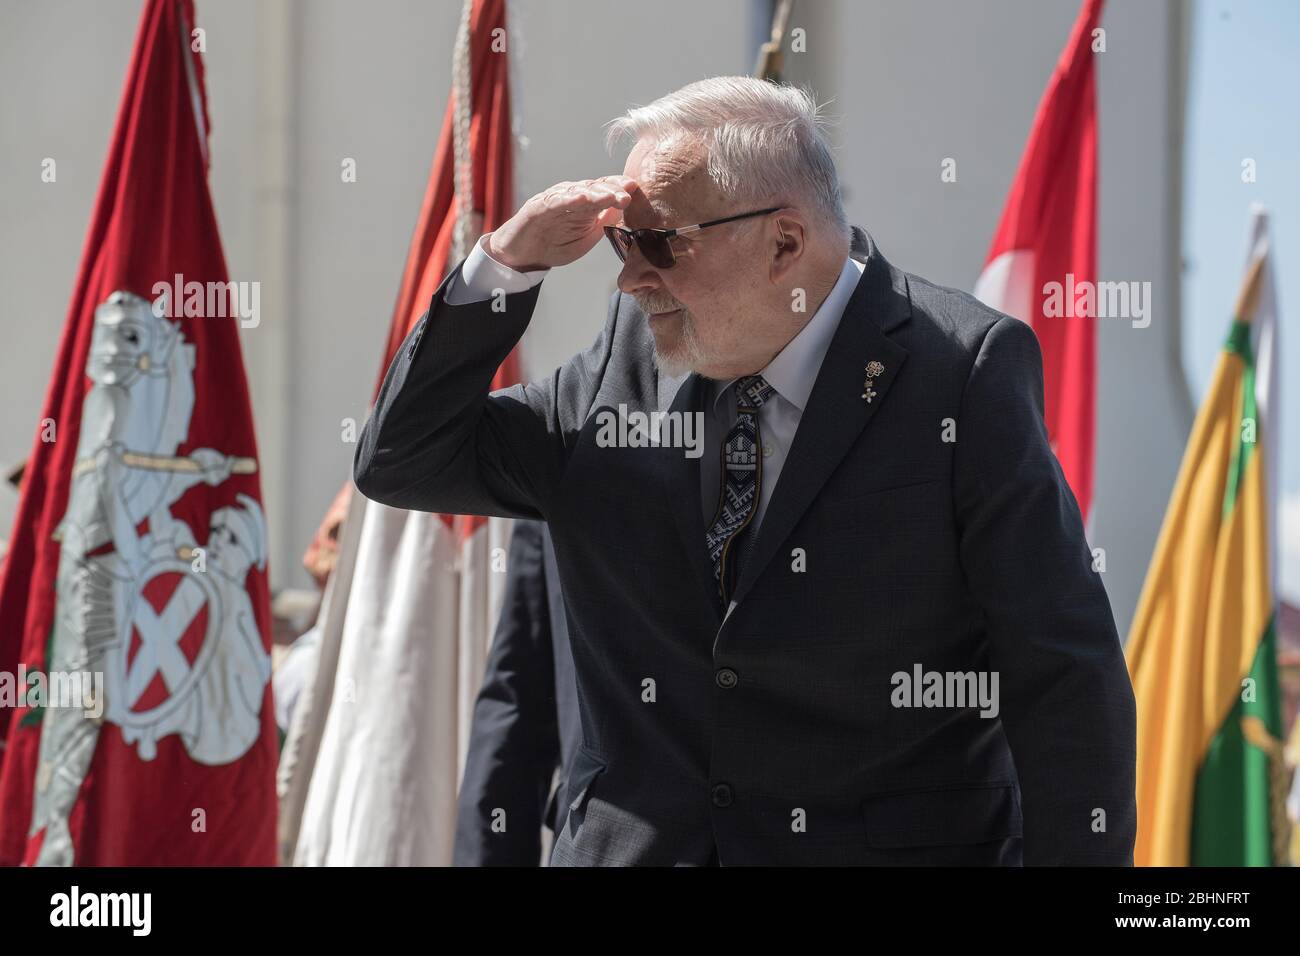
{"x": 561, "y": 225}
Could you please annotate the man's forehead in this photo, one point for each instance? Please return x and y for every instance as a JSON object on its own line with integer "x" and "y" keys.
{"x": 673, "y": 181}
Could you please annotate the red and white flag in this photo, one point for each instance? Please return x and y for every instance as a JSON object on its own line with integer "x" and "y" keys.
{"x": 1045, "y": 251}
{"x": 133, "y": 604}
{"x": 371, "y": 764}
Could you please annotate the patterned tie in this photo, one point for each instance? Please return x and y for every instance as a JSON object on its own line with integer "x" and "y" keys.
{"x": 742, "y": 479}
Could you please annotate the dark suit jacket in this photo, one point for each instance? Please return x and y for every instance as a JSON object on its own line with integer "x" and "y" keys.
{"x": 525, "y": 717}
{"x": 771, "y": 734}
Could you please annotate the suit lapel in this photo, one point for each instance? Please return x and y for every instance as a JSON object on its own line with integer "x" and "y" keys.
{"x": 836, "y": 413}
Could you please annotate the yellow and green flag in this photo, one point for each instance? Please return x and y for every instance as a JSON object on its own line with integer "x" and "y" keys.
{"x": 1211, "y": 782}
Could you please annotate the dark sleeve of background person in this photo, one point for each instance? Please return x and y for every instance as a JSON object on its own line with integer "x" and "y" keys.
{"x": 514, "y": 741}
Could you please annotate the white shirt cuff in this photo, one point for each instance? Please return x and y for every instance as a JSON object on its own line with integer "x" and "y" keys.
{"x": 482, "y": 276}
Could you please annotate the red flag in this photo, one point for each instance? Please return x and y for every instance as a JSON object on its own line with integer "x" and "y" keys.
{"x": 371, "y": 771}
{"x": 492, "y": 160}
{"x": 491, "y": 154}
{"x": 138, "y": 563}
{"x": 491, "y": 157}
{"x": 1048, "y": 235}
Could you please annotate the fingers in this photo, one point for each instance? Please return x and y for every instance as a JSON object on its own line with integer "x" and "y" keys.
{"x": 564, "y": 222}
{"x": 622, "y": 185}
{"x": 602, "y": 197}
{"x": 609, "y": 216}
{"x": 589, "y": 194}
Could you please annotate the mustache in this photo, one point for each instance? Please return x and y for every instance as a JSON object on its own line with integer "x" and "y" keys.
{"x": 658, "y": 302}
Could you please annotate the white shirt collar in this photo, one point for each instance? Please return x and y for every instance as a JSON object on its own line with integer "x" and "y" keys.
{"x": 793, "y": 371}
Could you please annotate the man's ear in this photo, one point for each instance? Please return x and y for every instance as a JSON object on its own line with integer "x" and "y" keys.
{"x": 789, "y": 242}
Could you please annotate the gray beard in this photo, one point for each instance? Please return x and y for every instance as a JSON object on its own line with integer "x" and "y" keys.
{"x": 674, "y": 367}
{"x": 687, "y": 357}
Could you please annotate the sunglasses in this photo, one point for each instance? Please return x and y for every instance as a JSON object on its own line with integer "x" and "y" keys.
{"x": 655, "y": 244}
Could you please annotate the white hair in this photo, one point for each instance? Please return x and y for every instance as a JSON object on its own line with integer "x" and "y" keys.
{"x": 766, "y": 142}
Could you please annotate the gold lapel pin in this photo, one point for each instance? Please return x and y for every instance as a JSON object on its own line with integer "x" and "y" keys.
{"x": 874, "y": 370}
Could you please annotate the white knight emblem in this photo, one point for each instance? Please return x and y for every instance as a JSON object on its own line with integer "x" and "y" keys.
{"x": 164, "y": 616}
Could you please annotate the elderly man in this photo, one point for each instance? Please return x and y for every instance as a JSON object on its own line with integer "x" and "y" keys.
{"x": 863, "y": 626}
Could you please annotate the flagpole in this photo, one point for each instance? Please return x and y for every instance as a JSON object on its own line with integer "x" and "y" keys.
{"x": 464, "y": 235}
{"x": 1248, "y": 296}
{"x": 769, "y": 54}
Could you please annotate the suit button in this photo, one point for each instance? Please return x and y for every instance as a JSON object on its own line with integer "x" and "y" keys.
{"x": 722, "y": 795}
{"x": 726, "y": 678}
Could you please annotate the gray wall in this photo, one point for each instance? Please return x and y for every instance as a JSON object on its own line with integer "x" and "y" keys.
{"x": 295, "y": 86}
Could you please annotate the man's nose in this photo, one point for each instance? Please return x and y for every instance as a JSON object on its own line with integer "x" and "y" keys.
{"x": 637, "y": 275}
